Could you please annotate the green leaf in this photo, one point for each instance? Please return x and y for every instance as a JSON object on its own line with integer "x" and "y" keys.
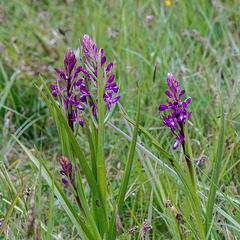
{"x": 101, "y": 168}
{"x": 50, "y": 218}
{"x": 217, "y": 166}
{"x": 79, "y": 153}
{"x": 194, "y": 200}
{"x": 9, "y": 212}
{"x": 67, "y": 205}
{"x": 126, "y": 174}
{"x": 7, "y": 89}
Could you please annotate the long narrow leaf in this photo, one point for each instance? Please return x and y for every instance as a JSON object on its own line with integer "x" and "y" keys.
{"x": 217, "y": 166}
{"x": 67, "y": 205}
{"x": 127, "y": 171}
{"x": 81, "y": 157}
{"x": 9, "y": 212}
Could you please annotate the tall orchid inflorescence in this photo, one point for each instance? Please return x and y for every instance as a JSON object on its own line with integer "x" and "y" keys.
{"x": 93, "y": 59}
{"x": 176, "y": 119}
{"x": 79, "y": 84}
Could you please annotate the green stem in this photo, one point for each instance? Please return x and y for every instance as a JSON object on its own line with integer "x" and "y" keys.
{"x": 188, "y": 159}
{"x": 101, "y": 173}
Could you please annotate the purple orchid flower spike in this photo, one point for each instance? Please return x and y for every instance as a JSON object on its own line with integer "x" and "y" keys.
{"x": 67, "y": 171}
{"x": 69, "y": 177}
{"x": 71, "y": 93}
{"x": 92, "y": 54}
{"x": 176, "y": 120}
{"x": 69, "y": 61}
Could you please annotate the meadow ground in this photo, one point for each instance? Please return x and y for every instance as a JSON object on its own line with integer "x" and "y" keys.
{"x": 196, "y": 40}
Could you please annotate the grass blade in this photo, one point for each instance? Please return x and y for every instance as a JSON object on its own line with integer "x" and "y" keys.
{"x": 67, "y": 205}
{"x": 217, "y": 166}
{"x": 127, "y": 171}
{"x": 79, "y": 153}
{"x": 9, "y": 212}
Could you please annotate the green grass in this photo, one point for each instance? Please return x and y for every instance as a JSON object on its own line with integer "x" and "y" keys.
{"x": 35, "y": 36}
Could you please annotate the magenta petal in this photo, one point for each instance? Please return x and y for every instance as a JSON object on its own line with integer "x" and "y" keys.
{"x": 162, "y": 107}
{"x": 168, "y": 94}
{"x": 54, "y": 93}
{"x": 81, "y": 122}
{"x": 84, "y": 71}
{"x": 53, "y": 86}
{"x": 57, "y": 70}
{"x": 112, "y": 85}
{"x": 103, "y": 60}
{"x": 175, "y": 145}
{"x": 115, "y": 99}
{"x": 188, "y": 100}
{"x": 109, "y": 67}
{"x": 181, "y": 93}
{"x": 78, "y": 69}
{"x": 111, "y": 78}
{"x": 189, "y": 114}
{"x": 95, "y": 49}
{"x": 65, "y": 182}
{"x": 115, "y": 89}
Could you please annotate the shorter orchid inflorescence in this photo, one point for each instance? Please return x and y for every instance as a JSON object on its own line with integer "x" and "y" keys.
{"x": 69, "y": 92}
{"x": 67, "y": 171}
{"x": 69, "y": 180}
{"x": 176, "y": 119}
{"x": 76, "y": 91}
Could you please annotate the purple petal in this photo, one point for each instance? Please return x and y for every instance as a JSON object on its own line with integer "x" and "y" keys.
{"x": 58, "y": 71}
{"x": 115, "y": 89}
{"x": 114, "y": 99}
{"x": 189, "y": 114}
{"x": 163, "y": 107}
{"x": 65, "y": 182}
{"x": 54, "y": 93}
{"x": 82, "y": 98}
{"x": 181, "y": 93}
{"x": 173, "y": 124}
{"x": 84, "y": 71}
{"x": 181, "y": 138}
{"x": 109, "y": 67}
{"x": 103, "y": 60}
{"x": 53, "y": 86}
{"x": 175, "y": 145}
{"x": 95, "y": 49}
{"x": 79, "y": 107}
{"x": 188, "y": 100}
{"x": 112, "y": 85}
{"x": 168, "y": 94}
{"x": 81, "y": 122}
{"x": 63, "y": 172}
{"x": 165, "y": 118}
{"x": 78, "y": 69}
{"x": 111, "y": 78}
{"x": 181, "y": 118}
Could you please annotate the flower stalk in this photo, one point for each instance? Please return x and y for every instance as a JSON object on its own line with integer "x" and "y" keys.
{"x": 177, "y": 118}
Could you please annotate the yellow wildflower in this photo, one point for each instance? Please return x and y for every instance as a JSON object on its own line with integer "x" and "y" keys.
{"x": 168, "y": 3}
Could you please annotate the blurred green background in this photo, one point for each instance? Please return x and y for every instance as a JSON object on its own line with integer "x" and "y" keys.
{"x": 198, "y": 41}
